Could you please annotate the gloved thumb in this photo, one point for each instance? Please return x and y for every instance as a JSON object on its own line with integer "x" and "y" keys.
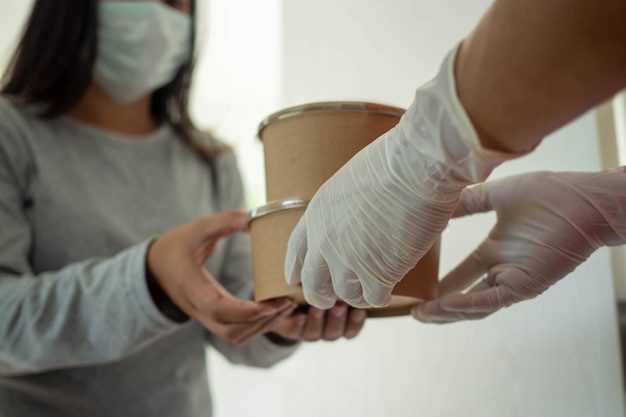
{"x": 296, "y": 253}
{"x": 485, "y": 298}
{"x": 500, "y": 288}
{"x": 473, "y": 199}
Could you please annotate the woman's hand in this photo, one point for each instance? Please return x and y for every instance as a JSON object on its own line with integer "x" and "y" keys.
{"x": 176, "y": 261}
{"x": 315, "y": 324}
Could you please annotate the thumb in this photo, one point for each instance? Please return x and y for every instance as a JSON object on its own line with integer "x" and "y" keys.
{"x": 296, "y": 253}
{"x": 219, "y": 225}
{"x": 474, "y": 199}
{"x": 465, "y": 274}
{"x": 498, "y": 290}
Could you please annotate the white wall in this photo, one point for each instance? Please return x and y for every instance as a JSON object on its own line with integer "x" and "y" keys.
{"x": 553, "y": 356}
{"x": 237, "y": 80}
{"x": 12, "y": 15}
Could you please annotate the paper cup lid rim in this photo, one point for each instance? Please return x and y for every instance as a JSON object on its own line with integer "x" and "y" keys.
{"x": 277, "y": 206}
{"x": 348, "y": 106}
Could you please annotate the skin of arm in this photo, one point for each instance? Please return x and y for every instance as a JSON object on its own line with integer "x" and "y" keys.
{"x": 531, "y": 66}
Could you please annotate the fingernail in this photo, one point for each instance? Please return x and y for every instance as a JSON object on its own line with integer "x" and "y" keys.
{"x": 338, "y": 312}
{"x": 359, "y": 315}
{"x": 286, "y": 305}
{"x": 285, "y": 312}
{"x": 318, "y": 314}
{"x": 240, "y": 221}
{"x": 267, "y": 311}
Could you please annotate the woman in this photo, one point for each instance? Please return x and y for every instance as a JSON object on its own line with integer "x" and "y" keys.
{"x": 98, "y": 157}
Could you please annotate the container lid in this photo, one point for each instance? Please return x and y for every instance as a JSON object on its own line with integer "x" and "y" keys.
{"x": 334, "y": 106}
{"x": 277, "y": 206}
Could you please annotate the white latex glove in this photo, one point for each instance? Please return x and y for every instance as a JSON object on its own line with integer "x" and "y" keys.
{"x": 370, "y": 223}
{"x": 547, "y": 224}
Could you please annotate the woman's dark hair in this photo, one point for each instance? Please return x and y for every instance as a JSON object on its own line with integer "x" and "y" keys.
{"x": 53, "y": 66}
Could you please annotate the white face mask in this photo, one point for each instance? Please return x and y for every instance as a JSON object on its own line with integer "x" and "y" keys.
{"x": 141, "y": 47}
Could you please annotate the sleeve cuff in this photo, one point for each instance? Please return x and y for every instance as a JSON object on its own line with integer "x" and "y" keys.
{"x": 164, "y": 318}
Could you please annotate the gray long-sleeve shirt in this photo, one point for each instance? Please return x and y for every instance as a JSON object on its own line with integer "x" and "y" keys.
{"x": 79, "y": 334}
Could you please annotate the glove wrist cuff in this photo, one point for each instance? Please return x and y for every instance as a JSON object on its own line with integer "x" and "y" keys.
{"x": 446, "y": 134}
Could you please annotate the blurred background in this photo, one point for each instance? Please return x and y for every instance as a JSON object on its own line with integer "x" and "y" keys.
{"x": 557, "y": 355}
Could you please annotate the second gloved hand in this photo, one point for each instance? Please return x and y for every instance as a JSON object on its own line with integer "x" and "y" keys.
{"x": 548, "y": 224}
{"x": 370, "y": 223}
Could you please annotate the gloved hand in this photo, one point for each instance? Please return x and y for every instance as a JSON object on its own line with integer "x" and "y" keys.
{"x": 370, "y": 223}
{"x": 547, "y": 224}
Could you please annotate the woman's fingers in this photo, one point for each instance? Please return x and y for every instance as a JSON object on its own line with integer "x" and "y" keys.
{"x": 244, "y": 332}
{"x": 314, "y": 328}
{"x": 240, "y": 331}
{"x": 335, "y": 322}
{"x": 216, "y": 226}
{"x": 355, "y": 322}
{"x": 316, "y": 324}
{"x": 232, "y": 310}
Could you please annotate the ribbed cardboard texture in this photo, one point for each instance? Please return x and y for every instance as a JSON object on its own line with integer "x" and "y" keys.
{"x": 304, "y": 147}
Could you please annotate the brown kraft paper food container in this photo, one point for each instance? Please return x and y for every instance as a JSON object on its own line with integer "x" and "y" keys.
{"x": 303, "y": 147}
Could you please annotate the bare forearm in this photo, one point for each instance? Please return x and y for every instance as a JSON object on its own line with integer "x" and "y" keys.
{"x": 531, "y": 66}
